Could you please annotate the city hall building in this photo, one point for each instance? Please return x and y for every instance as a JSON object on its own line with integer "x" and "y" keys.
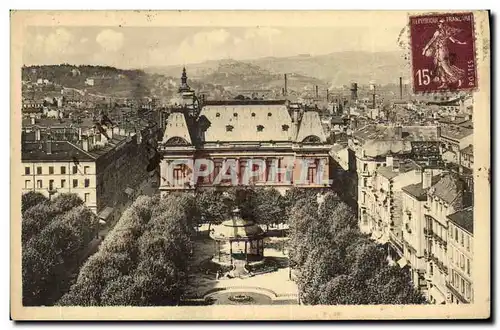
{"x": 241, "y": 142}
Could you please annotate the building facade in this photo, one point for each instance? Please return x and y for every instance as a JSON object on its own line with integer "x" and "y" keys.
{"x": 242, "y": 142}
{"x": 461, "y": 256}
{"x": 370, "y": 147}
{"x": 446, "y": 197}
{"x": 105, "y": 171}
{"x": 414, "y": 198}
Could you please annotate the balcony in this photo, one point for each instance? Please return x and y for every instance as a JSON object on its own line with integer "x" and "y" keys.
{"x": 438, "y": 263}
{"x": 439, "y": 239}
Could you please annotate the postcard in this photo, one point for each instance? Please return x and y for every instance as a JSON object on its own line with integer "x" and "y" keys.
{"x": 250, "y": 165}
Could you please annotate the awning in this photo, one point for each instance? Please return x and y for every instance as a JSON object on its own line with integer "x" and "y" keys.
{"x": 403, "y": 262}
{"x": 104, "y": 214}
{"x": 437, "y": 295}
{"x": 129, "y": 191}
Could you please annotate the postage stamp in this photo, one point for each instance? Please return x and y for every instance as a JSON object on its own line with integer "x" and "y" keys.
{"x": 443, "y": 52}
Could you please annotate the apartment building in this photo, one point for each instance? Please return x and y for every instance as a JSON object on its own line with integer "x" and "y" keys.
{"x": 449, "y": 195}
{"x": 454, "y": 139}
{"x": 460, "y": 256}
{"x": 370, "y": 147}
{"x": 384, "y": 203}
{"x": 104, "y": 172}
{"x": 414, "y": 198}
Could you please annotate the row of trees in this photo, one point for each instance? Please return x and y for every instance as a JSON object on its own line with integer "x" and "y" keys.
{"x": 265, "y": 206}
{"x": 143, "y": 260}
{"x": 54, "y": 236}
{"x": 337, "y": 264}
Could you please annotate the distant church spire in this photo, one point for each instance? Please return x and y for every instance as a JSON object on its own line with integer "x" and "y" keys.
{"x": 184, "y": 86}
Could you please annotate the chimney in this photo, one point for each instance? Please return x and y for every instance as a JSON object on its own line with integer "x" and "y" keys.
{"x": 398, "y": 132}
{"x": 389, "y": 160}
{"x": 426, "y": 178}
{"x": 395, "y": 165}
{"x": 286, "y": 91}
{"x": 327, "y": 94}
{"x": 85, "y": 143}
{"x": 283, "y": 91}
{"x": 49, "y": 146}
{"x": 317, "y": 93}
{"x": 109, "y": 131}
{"x": 401, "y": 88}
{"x": 373, "y": 102}
{"x": 104, "y": 139}
{"x": 354, "y": 92}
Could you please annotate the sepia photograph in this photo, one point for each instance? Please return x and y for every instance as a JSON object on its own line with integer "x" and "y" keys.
{"x": 237, "y": 165}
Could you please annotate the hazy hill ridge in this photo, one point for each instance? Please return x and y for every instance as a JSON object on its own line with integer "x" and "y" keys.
{"x": 335, "y": 69}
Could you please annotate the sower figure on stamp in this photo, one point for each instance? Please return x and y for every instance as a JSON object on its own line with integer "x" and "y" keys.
{"x": 445, "y": 72}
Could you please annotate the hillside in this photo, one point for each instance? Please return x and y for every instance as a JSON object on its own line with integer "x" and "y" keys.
{"x": 110, "y": 81}
{"x": 341, "y": 68}
{"x": 237, "y": 75}
{"x": 132, "y": 84}
{"x": 335, "y": 69}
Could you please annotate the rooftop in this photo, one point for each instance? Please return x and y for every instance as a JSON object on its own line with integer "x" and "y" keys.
{"x": 456, "y": 132}
{"x": 247, "y": 122}
{"x": 244, "y": 102}
{"x": 417, "y": 191}
{"x": 55, "y": 123}
{"x": 448, "y": 188}
{"x": 464, "y": 219}
{"x": 390, "y": 172}
{"x": 390, "y": 133}
{"x": 66, "y": 150}
{"x": 61, "y": 151}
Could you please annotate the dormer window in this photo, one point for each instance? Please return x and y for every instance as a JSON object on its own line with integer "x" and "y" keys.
{"x": 229, "y": 128}
{"x": 217, "y": 114}
{"x": 235, "y": 114}
{"x": 260, "y": 128}
{"x": 285, "y": 127}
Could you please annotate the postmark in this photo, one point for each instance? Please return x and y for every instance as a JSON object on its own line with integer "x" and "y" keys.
{"x": 443, "y": 52}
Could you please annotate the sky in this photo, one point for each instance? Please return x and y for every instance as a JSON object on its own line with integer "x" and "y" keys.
{"x": 140, "y": 47}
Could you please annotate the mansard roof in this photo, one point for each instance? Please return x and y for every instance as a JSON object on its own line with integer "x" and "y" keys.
{"x": 254, "y": 122}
